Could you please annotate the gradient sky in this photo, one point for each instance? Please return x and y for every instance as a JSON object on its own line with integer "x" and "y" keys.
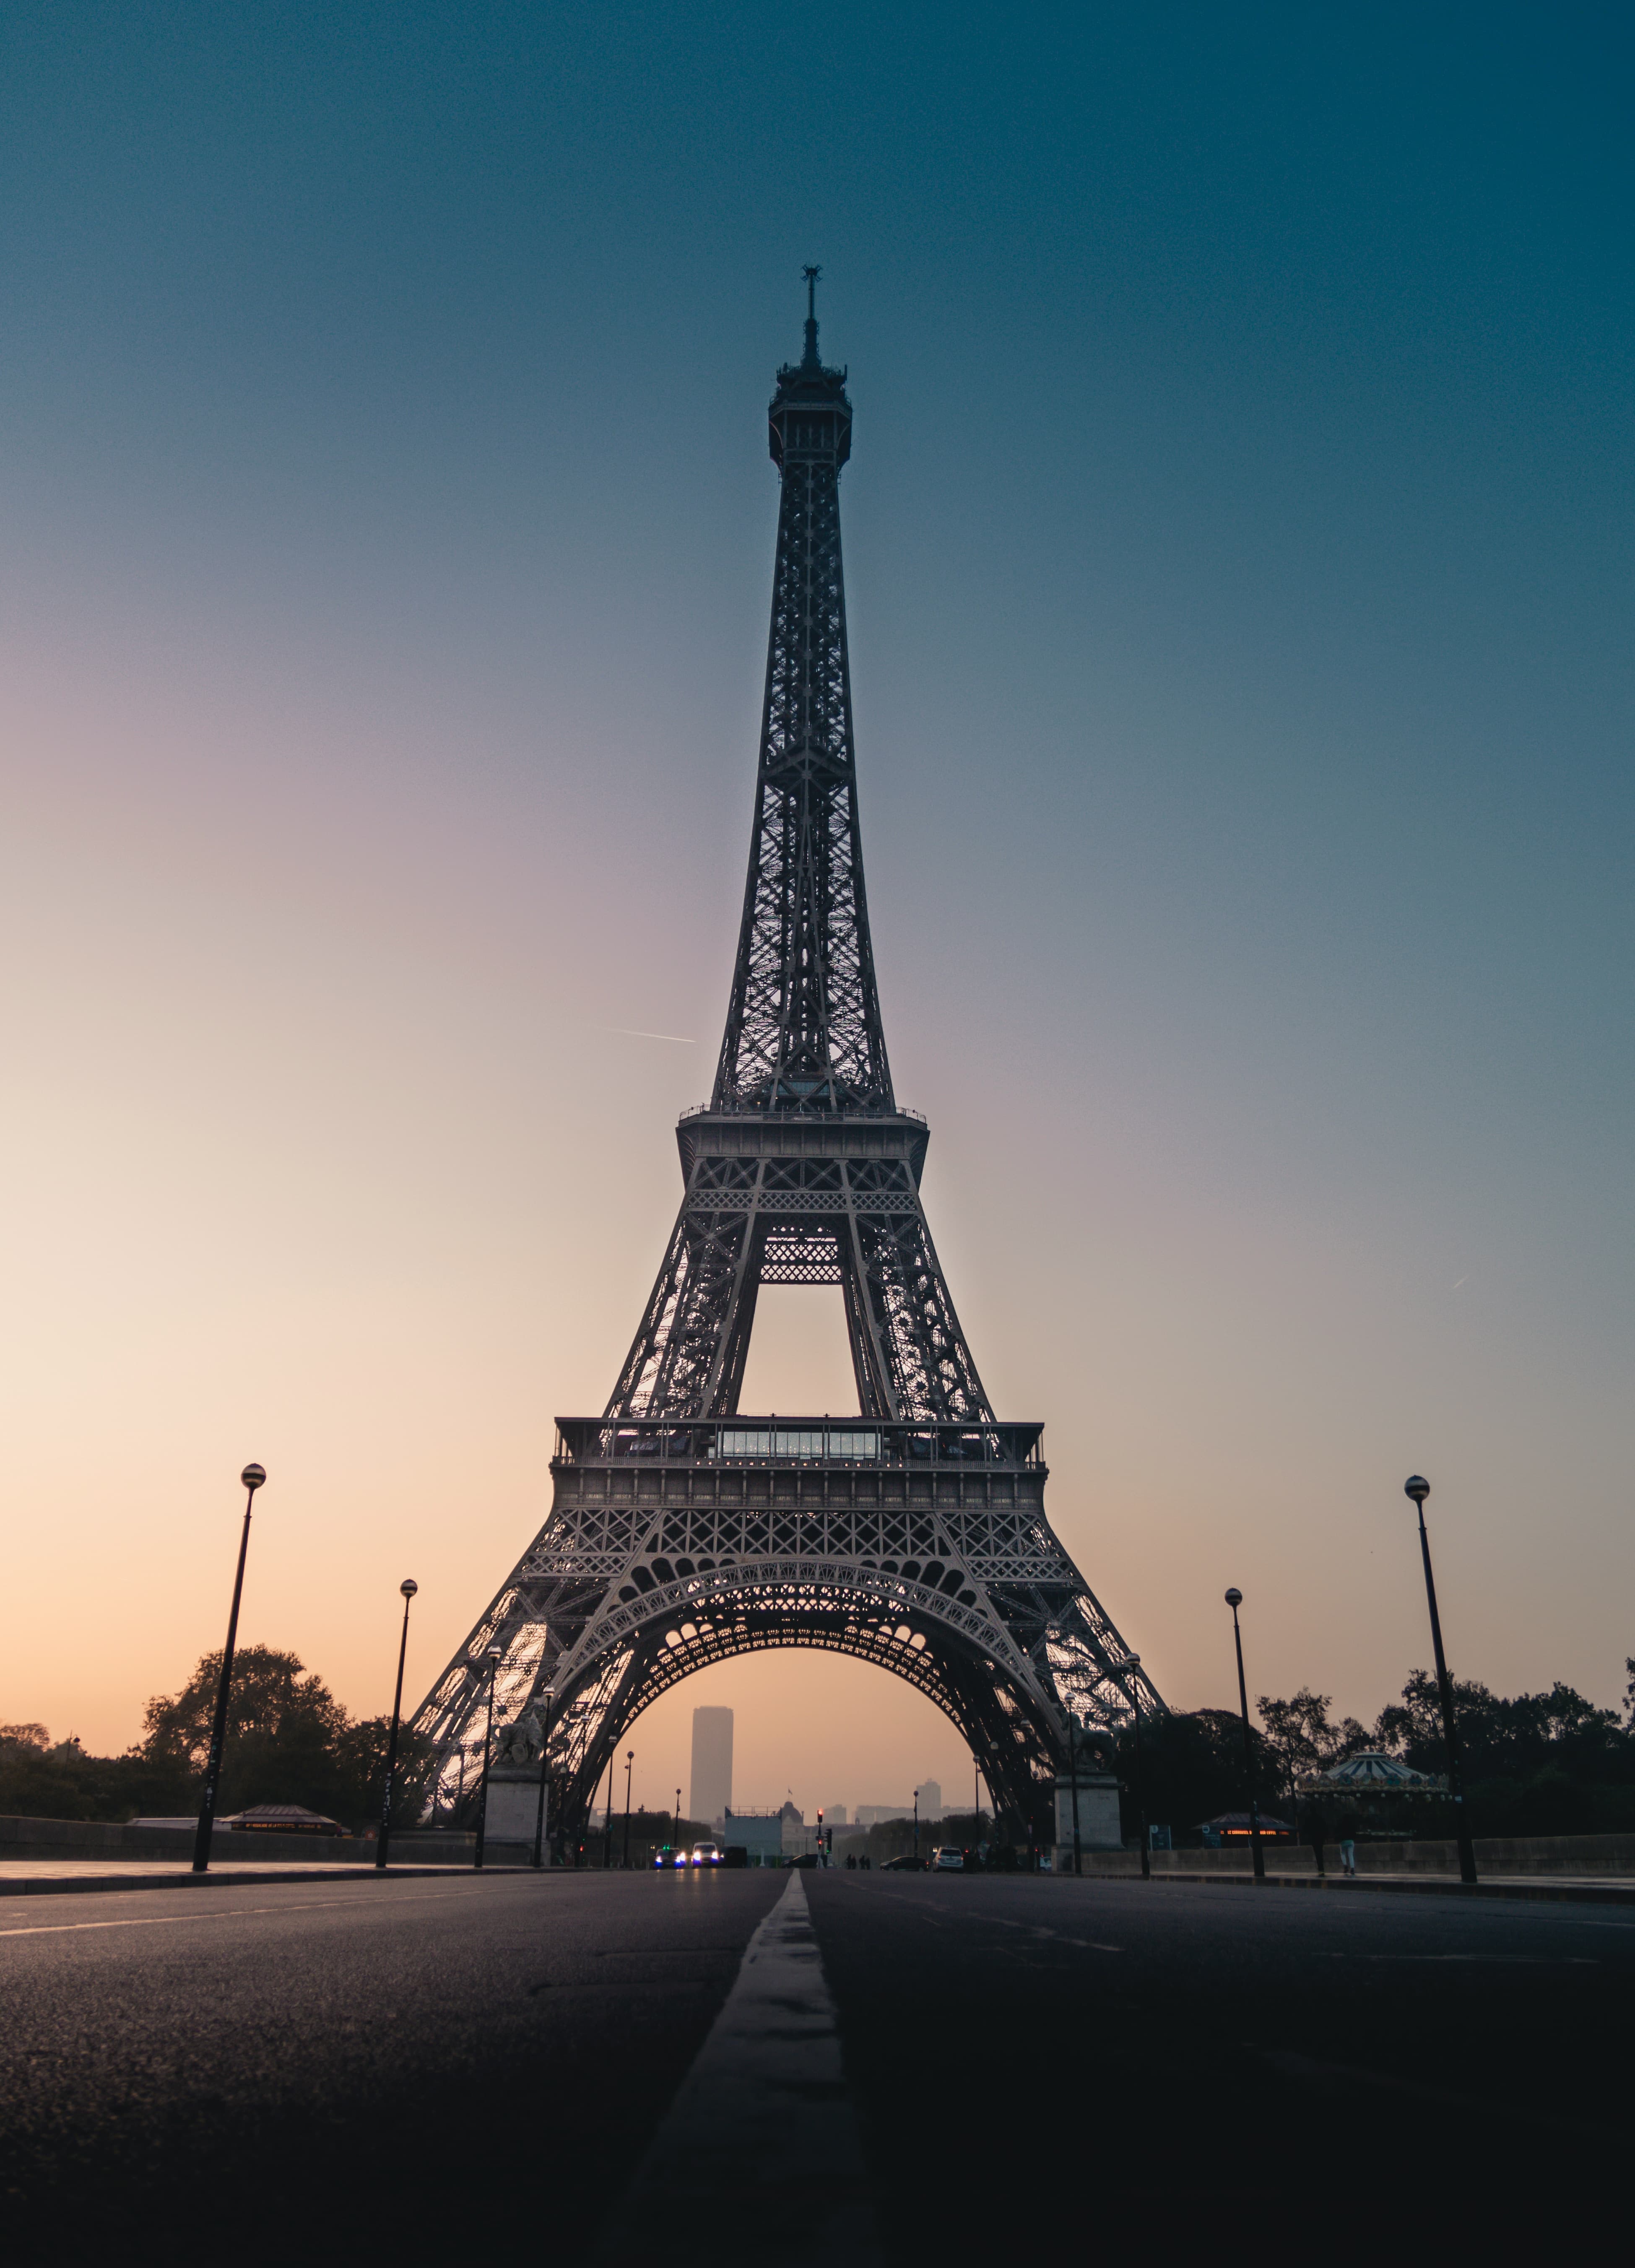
{"x": 1239, "y": 548}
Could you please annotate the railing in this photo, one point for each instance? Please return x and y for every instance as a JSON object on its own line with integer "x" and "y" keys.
{"x": 845, "y": 1441}
{"x": 825, "y": 1110}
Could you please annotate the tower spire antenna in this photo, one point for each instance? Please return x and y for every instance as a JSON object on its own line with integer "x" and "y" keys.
{"x": 812, "y": 274}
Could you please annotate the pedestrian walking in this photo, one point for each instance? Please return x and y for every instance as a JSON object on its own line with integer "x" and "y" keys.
{"x": 1348, "y": 1845}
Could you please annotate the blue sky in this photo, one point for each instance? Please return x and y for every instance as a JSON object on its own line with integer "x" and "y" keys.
{"x": 1238, "y": 543}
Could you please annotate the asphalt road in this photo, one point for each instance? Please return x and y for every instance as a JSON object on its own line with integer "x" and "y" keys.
{"x": 1084, "y": 2063}
{"x": 419, "y": 2071}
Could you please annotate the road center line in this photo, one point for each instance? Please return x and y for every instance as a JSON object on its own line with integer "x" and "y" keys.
{"x": 763, "y": 2117}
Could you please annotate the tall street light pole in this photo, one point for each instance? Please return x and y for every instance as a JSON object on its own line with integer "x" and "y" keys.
{"x": 1234, "y": 1600}
{"x": 539, "y": 1822}
{"x": 606, "y": 1840}
{"x": 409, "y": 1587}
{"x": 1072, "y": 1758}
{"x": 251, "y": 1477}
{"x": 630, "y": 1759}
{"x": 1128, "y": 1665}
{"x": 495, "y": 1654}
{"x": 678, "y": 1826}
{"x": 1418, "y": 1489}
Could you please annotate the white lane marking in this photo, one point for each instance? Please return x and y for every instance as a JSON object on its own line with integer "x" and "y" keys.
{"x": 227, "y": 1913}
{"x": 1085, "y": 1944}
{"x": 993, "y": 1921}
{"x": 763, "y": 2116}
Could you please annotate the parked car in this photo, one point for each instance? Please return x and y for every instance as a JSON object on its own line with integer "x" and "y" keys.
{"x": 706, "y": 1854}
{"x": 947, "y": 1858}
{"x": 908, "y": 1863}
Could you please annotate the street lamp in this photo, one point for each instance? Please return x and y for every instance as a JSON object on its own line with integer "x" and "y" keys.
{"x": 1417, "y": 1487}
{"x": 1132, "y": 1661}
{"x": 539, "y": 1822}
{"x": 678, "y": 1826}
{"x": 607, "y": 1840}
{"x": 1234, "y": 1600}
{"x": 495, "y": 1655}
{"x": 630, "y": 1758}
{"x": 251, "y": 1477}
{"x": 409, "y": 1587}
{"x": 1072, "y": 1760}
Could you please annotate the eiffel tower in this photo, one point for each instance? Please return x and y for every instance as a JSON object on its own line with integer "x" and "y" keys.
{"x": 683, "y": 1532}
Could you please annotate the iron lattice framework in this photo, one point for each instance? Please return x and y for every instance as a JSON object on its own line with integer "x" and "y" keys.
{"x": 680, "y": 1533}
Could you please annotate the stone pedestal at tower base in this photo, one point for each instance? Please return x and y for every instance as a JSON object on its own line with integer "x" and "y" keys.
{"x": 1098, "y": 1817}
{"x": 513, "y": 1809}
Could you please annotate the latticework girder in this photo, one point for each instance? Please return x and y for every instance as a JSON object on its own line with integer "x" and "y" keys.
{"x": 923, "y": 1549}
{"x": 914, "y": 1536}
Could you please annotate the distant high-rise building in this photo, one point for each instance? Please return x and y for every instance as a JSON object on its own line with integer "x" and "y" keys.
{"x": 713, "y": 1764}
{"x": 836, "y": 1816}
{"x": 930, "y": 1794}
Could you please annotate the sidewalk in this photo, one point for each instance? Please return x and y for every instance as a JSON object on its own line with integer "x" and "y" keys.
{"x": 50, "y": 1877}
{"x": 1565, "y": 1888}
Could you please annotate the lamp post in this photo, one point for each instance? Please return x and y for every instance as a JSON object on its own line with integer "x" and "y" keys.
{"x": 916, "y": 1827}
{"x": 606, "y": 1840}
{"x": 678, "y": 1826}
{"x": 1234, "y": 1600}
{"x": 1132, "y": 1661}
{"x": 251, "y": 1477}
{"x": 495, "y": 1654}
{"x": 1072, "y": 1759}
{"x": 1418, "y": 1489}
{"x": 407, "y": 1586}
{"x": 630, "y": 1759}
{"x": 539, "y": 1821}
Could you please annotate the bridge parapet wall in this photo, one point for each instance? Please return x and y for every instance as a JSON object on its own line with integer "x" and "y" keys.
{"x": 1495, "y": 1855}
{"x": 112, "y": 1839}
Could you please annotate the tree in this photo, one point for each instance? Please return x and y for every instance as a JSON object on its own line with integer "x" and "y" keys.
{"x": 1192, "y": 1768}
{"x": 360, "y": 1752}
{"x": 283, "y": 1725}
{"x": 39, "y": 1780}
{"x": 1550, "y": 1763}
{"x": 289, "y": 1740}
{"x": 1300, "y": 1737}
